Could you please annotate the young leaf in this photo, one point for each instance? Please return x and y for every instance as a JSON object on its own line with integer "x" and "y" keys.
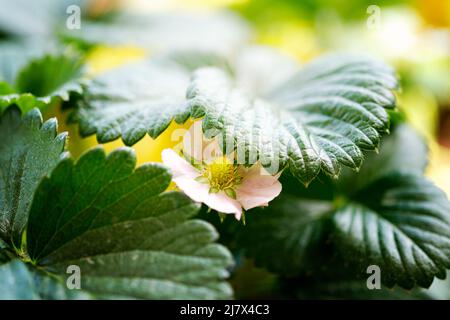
{"x": 13, "y": 56}
{"x": 396, "y": 219}
{"x": 128, "y": 237}
{"x": 51, "y": 76}
{"x": 312, "y": 120}
{"x": 29, "y": 150}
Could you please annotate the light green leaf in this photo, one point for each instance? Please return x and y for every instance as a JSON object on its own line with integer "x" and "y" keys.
{"x": 51, "y": 76}
{"x": 29, "y": 150}
{"x": 43, "y": 80}
{"x": 18, "y": 282}
{"x": 128, "y": 238}
{"x": 396, "y": 219}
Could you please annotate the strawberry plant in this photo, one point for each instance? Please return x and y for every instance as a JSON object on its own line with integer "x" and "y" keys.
{"x": 303, "y": 176}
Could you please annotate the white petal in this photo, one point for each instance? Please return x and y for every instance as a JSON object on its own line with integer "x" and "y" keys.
{"x": 257, "y": 188}
{"x": 199, "y": 192}
{"x": 179, "y": 166}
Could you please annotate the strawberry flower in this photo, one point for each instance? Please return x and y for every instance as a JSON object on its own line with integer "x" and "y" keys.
{"x": 216, "y": 180}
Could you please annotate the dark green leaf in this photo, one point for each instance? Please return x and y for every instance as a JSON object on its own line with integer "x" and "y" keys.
{"x": 29, "y": 150}
{"x": 297, "y": 229}
{"x": 394, "y": 218}
{"x": 403, "y": 226}
{"x": 405, "y": 150}
{"x": 128, "y": 238}
{"x": 4, "y": 256}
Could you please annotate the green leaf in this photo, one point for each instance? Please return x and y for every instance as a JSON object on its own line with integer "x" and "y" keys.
{"x": 43, "y": 80}
{"x": 288, "y": 237}
{"x": 318, "y": 119}
{"x": 29, "y": 150}
{"x": 25, "y": 101}
{"x": 5, "y": 88}
{"x": 129, "y": 238}
{"x": 3, "y": 257}
{"x": 13, "y": 56}
{"x": 51, "y": 76}
{"x": 403, "y": 151}
{"x": 402, "y": 225}
{"x": 134, "y": 100}
{"x": 18, "y": 282}
{"x": 312, "y": 120}
{"x": 396, "y": 219}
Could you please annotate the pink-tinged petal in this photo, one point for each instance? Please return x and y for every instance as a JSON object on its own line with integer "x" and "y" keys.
{"x": 257, "y": 188}
{"x": 199, "y": 192}
{"x": 178, "y": 165}
{"x": 222, "y": 203}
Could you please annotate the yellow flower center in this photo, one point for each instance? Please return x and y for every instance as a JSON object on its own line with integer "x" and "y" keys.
{"x": 222, "y": 174}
